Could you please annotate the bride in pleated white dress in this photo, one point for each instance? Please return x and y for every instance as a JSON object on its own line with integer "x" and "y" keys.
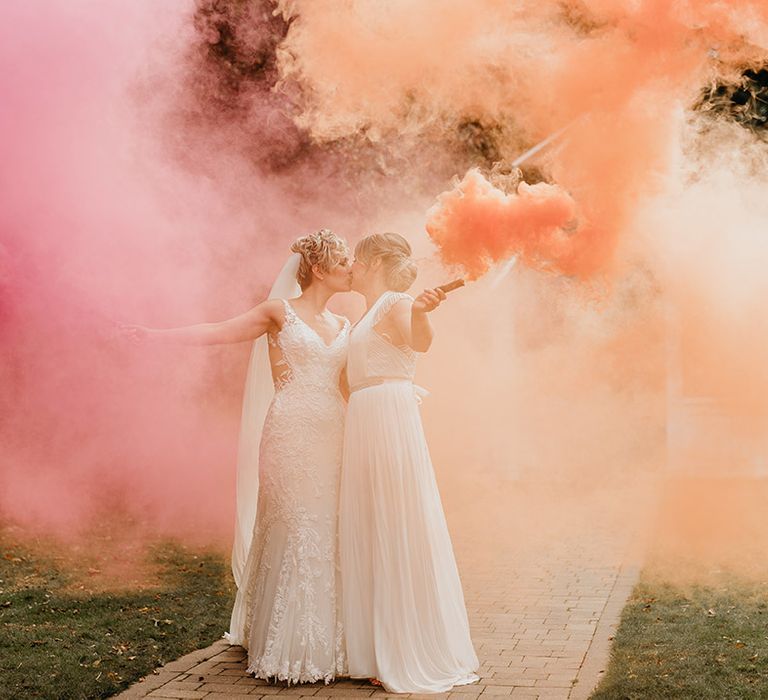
{"x": 404, "y": 614}
{"x": 285, "y": 557}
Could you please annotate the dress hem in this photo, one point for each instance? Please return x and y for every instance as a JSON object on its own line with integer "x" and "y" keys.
{"x": 466, "y": 679}
{"x": 305, "y": 677}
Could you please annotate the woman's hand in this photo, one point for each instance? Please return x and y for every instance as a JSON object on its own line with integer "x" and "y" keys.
{"x": 428, "y": 300}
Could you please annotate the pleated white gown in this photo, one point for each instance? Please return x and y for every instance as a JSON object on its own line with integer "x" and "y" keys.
{"x": 403, "y": 607}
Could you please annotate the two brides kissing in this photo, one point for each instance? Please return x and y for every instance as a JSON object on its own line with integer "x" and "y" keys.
{"x": 342, "y": 557}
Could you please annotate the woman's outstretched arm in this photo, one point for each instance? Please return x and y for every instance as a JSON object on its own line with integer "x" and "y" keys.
{"x": 247, "y": 326}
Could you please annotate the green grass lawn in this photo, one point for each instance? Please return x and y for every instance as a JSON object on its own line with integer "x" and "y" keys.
{"x": 696, "y": 642}
{"x": 61, "y": 636}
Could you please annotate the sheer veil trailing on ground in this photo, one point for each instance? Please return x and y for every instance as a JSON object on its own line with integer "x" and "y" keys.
{"x": 259, "y": 391}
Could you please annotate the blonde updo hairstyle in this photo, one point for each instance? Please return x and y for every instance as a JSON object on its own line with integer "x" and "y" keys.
{"x": 395, "y": 255}
{"x": 324, "y": 249}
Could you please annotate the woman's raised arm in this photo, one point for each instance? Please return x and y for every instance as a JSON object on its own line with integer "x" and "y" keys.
{"x": 421, "y": 332}
{"x": 247, "y": 326}
{"x": 407, "y": 322}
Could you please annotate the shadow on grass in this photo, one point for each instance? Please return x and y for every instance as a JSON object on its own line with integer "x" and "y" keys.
{"x": 60, "y": 642}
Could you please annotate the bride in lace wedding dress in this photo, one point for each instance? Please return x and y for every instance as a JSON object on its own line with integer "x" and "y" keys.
{"x": 404, "y": 616}
{"x": 285, "y": 556}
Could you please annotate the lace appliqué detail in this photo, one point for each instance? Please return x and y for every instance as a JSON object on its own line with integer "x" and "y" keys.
{"x": 293, "y": 626}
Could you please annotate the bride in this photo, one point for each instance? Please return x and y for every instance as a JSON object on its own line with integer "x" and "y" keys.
{"x": 404, "y": 615}
{"x": 284, "y": 559}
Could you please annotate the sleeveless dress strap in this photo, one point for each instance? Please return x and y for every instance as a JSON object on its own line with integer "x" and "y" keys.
{"x": 290, "y": 314}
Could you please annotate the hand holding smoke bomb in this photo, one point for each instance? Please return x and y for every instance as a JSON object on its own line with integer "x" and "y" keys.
{"x": 451, "y": 285}
{"x": 430, "y": 299}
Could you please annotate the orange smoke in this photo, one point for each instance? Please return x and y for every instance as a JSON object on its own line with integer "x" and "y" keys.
{"x": 627, "y": 81}
{"x": 408, "y": 75}
{"x": 476, "y": 224}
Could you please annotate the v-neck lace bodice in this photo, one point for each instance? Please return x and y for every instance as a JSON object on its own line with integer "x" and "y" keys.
{"x": 307, "y": 361}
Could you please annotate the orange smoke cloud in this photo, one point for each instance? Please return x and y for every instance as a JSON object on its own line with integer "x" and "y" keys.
{"x": 625, "y": 69}
{"x": 476, "y": 224}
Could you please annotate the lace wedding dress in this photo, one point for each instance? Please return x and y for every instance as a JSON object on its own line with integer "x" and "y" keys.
{"x": 287, "y": 613}
{"x": 404, "y": 616}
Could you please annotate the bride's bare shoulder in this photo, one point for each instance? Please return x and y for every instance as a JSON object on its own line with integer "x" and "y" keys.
{"x": 273, "y": 305}
{"x": 274, "y": 309}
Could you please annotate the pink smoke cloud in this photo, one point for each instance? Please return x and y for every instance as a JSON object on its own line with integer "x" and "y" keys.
{"x": 101, "y": 224}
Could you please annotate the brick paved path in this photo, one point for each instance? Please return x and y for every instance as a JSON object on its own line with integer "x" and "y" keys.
{"x": 543, "y": 600}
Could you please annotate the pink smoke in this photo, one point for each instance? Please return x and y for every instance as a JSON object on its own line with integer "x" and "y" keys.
{"x": 100, "y": 225}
